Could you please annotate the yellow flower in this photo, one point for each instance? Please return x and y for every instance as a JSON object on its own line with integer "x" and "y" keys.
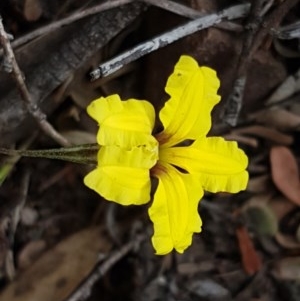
{"x": 130, "y": 153}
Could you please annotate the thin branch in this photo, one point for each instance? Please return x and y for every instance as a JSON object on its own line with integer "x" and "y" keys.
{"x": 32, "y": 108}
{"x": 85, "y": 288}
{"x": 272, "y": 21}
{"x": 191, "y": 13}
{"x": 167, "y": 38}
{"x": 266, "y": 7}
{"x": 176, "y": 8}
{"x": 68, "y": 20}
{"x": 15, "y": 218}
{"x": 288, "y": 32}
{"x": 235, "y": 100}
{"x": 253, "y": 40}
{"x": 168, "y": 5}
{"x": 61, "y": 62}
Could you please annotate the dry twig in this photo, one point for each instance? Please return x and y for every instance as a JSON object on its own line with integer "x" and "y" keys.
{"x": 84, "y": 290}
{"x": 191, "y": 13}
{"x": 271, "y": 22}
{"x": 15, "y": 218}
{"x": 59, "y": 67}
{"x": 68, "y": 20}
{"x": 167, "y": 38}
{"x": 288, "y": 32}
{"x": 167, "y": 4}
{"x": 257, "y": 31}
{"x": 234, "y": 103}
{"x": 32, "y": 108}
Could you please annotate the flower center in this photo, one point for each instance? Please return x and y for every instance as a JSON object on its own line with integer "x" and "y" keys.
{"x": 162, "y": 137}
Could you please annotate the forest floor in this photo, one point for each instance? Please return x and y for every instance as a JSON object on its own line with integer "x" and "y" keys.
{"x": 60, "y": 241}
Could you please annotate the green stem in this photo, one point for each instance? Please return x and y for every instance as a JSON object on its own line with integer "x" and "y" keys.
{"x": 83, "y": 154}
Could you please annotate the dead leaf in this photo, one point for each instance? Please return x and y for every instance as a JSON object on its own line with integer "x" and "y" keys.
{"x": 287, "y": 268}
{"x": 281, "y": 206}
{"x": 293, "y": 105}
{"x": 287, "y": 241}
{"x": 289, "y": 86}
{"x": 32, "y": 10}
{"x": 264, "y": 212}
{"x": 260, "y": 216}
{"x": 285, "y": 173}
{"x": 279, "y": 118}
{"x": 250, "y": 259}
{"x": 30, "y": 253}
{"x": 59, "y": 271}
{"x": 242, "y": 139}
{"x": 285, "y": 51}
{"x": 80, "y": 89}
{"x": 286, "y": 274}
{"x": 266, "y": 133}
{"x": 257, "y": 168}
{"x": 298, "y": 233}
{"x": 190, "y": 268}
{"x": 259, "y": 184}
{"x": 208, "y": 289}
{"x": 257, "y": 164}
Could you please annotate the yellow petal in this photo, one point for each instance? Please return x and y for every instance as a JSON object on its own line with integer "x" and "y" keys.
{"x": 174, "y": 211}
{"x": 193, "y": 94}
{"x": 122, "y": 175}
{"x": 123, "y": 123}
{"x": 220, "y": 164}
